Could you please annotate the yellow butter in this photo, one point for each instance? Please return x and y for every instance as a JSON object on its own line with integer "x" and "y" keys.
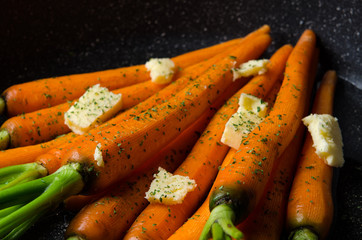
{"x": 161, "y": 70}
{"x": 251, "y": 68}
{"x": 251, "y": 112}
{"x": 169, "y": 189}
{"x": 94, "y": 107}
{"x": 327, "y": 138}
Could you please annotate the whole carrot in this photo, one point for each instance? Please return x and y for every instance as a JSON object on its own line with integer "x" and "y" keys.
{"x": 239, "y": 186}
{"x": 31, "y": 96}
{"x": 159, "y": 221}
{"x": 310, "y": 207}
{"x": 123, "y": 147}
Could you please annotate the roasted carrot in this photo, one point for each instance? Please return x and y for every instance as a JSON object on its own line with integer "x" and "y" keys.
{"x": 159, "y": 221}
{"x": 266, "y": 222}
{"x": 310, "y": 207}
{"x": 45, "y": 124}
{"x": 114, "y": 225}
{"x": 31, "y": 96}
{"x": 28, "y": 154}
{"x": 123, "y": 147}
{"x": 239, "y": 186}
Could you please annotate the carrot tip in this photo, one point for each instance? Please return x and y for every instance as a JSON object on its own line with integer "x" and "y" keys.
{"x": 303, "y": 233}
{"x": 4, "y": 139}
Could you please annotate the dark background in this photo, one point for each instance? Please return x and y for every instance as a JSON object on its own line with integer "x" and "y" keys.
{"x": 50, "y": 38}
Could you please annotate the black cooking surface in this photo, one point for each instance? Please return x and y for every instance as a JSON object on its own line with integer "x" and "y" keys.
{"x": 51, "y": 38}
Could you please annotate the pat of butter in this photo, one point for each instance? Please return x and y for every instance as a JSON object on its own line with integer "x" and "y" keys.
{"x": 161, "y": 70}
{"x": 251, "y": 112}
{"x": 251, "y": 68}
{"x": 169, "y": 189}
{"x": 98, "y": 157}
{"x": 327, "y": 138}
{"x": 94, "y": 107}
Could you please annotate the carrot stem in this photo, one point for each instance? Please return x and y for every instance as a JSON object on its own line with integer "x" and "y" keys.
{"x": 224, "y": 215}
{"x": 36, "y": 198}
{"x": 2, "y": 105}
{"x": 4, "y": 138}
{"x": 303, "y": 233}
{"x": 17, "y": 174}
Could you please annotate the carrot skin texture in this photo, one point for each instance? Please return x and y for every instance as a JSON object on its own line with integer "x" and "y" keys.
{"x": 28, "y": 154}
{"x": 310, "y": 201}
{"x": 266, "y": 222}
{"x": 46, "y": 124}
{"x": 43, "y": 93}
{"x": 202, "y": 163}
{"x": 245, "y": 181}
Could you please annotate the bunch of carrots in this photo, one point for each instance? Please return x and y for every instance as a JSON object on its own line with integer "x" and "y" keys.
{"x": 240, "y": 193}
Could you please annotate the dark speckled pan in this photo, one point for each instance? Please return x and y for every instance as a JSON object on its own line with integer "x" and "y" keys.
{"x": 51, "y": 38}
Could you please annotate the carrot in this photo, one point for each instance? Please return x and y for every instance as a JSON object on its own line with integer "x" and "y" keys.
{"x": 239, "y": 186}
{"x": 124, "y": 147}
{"x": 31, "y": 96}
{"x": 28, "y": 154}
{"x": 124, "y": 197}
{"x": 310, "y": 206}
{"x": 45, "y": 124}
{"x": 159, "y": 221}
{"x": 266, "y": 222}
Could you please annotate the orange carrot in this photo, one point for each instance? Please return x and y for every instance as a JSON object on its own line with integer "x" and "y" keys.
{"x": 31, "y": 96}
{"x": 113, "y": 225}
{"x": 45, "y": 124}
{"x": 239, "y": 186}
{"x": 310, "y": 206}
{"x": 266, "y": 222}
{"x": 202, "y": 163}
{"x": 28, "y": 154}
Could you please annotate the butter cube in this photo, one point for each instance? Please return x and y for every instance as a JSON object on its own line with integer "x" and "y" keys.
{"x": 327, "y": 138}
{"x": 94, "y": 107}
